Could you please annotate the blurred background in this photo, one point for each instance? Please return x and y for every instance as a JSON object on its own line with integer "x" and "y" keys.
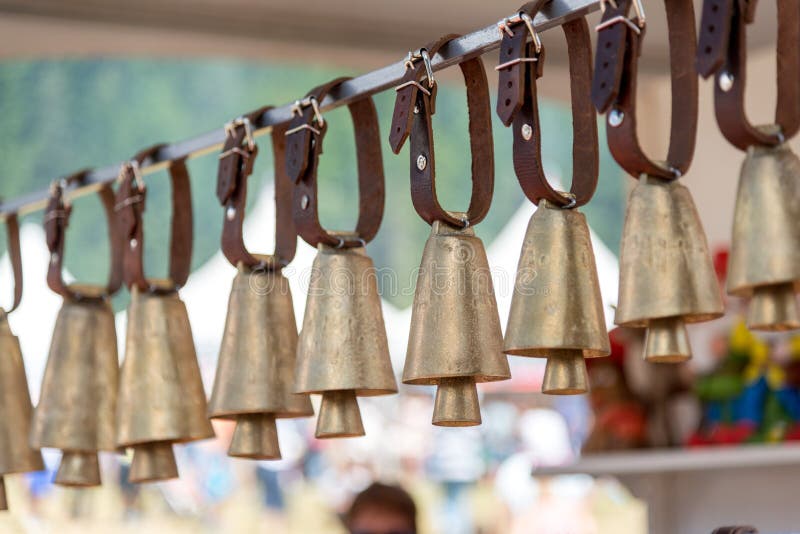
{"x": 89, "y": 82}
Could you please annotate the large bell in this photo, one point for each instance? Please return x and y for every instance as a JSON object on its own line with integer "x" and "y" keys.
{"x": 16, "y": 454}
{"x": 455, "y": 338}
{"x": 666, "y": 275}
{"x": 255, "y": 374}
{"x": 556, "y": 309}
{"x": 764, "y": 260}
{"x": 161, "y": 397}
{"x": 78, "y": 399}
{"x": 342, "y": 351}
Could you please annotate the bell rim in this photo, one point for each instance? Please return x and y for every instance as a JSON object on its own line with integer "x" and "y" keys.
{"x": 456, "y": 423}
{"x": 565, "y": 391}
{"x": 668, "y": 359}
{"x": 172, "y": 441}
{"x": 38, "y": 465}
{"x": 360, "y": 392}
{"x": 689, "y": 318}
{"x": 228, "y": 415}
{"x": 434, "y": 380}
{"x": 746, "y": 290}
{"x": 546, "y": 352}
{"x": 255, "y": 456}
{"x": 339, "y": 435}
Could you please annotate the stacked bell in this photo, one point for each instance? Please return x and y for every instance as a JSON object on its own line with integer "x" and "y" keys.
{"x": 255, "y": 375}
{"x": 764, "y": 261}
{"x": 342, "y": 351}
{"x": 16, "y": 455}
{"x": 78, "y": 398}
{"x": 666, "y": 275}
{"x": 161, "y": 397}
{"x": 455, "y": 338}
{"x": 556, "y": 308}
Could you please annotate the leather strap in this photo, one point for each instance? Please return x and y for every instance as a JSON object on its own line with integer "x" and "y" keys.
{"x": 614, "y": 87}
{"x": 521, "y": 64}
{"x": 235, "y": 166}
{"x": 723, "y": 53}
{"x": 56, "y": 220}
{"x": 413, "y": 110}
{"x": 303, "y": 147}
{"x": 15, "y": 255}
{"x": 735, "y": 530}
{"x": 130, "y": 205}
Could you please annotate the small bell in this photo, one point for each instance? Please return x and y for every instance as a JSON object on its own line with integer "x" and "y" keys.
{"x": 666, "y": 275}
{"x": 342, "y": 351}
{"x": 556, "y": 309}
{"x": 16, "y": 455}
{"x": 764, "y": 260}
{"x": 255, "y": 374}
{"x": 455, "y": 338}
{"x": 161, "y": 397}
{"x": 78, "y": 397}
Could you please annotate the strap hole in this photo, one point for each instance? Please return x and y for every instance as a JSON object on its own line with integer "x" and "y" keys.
{"x": 605, "y": 64}
{"x": 510, "y": 51}
{"x": 709, "y": 50}
{"x": 508, "y": 101}
{"x": 510, "y": 84}
{"x": 402, "y": 98}
{"x": 711, "y": 28}
{"x": 714, "y": 8}
{"x": 608, "y": 44}
{"x": 603, "y": 85}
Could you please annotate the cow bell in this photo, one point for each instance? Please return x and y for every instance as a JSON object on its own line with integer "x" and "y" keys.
{"x": 455, "y": 339}
{"x": 556, "y": 309}
{"x": 16, "y": 454}
{"x": 342, "y": 351}
{"x": 161, "y": 397}
{"x": 77, "y": 405}
{"x": 764, "y": 262}
{"x": 666, "y": 275}
{"x": 255, "y": 373}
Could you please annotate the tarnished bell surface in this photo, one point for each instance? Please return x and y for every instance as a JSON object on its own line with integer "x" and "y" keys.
{"x": 455, "y": 326}
{"x": 764, "y": 259}
{"x": 3, "y": 499}
{"x": 77, "y": 405}
{"x": 161, "y": 397}
{"x": 343, "y": 345}
{"x": 556, "y": 302}
{"x": 16, "y": 455}
{"x": 665, "y": 265}
{"x": 255, "y": 373}
{"x": 565, "y": 373}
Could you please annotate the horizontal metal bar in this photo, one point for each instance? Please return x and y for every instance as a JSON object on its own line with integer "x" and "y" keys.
{"x": 468, "y": 46}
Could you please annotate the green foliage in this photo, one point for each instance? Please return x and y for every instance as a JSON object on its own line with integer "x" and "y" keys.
{"x": 61, "y": 116}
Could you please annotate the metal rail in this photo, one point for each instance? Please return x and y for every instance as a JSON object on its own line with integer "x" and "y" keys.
{"x": 468, "y": 46}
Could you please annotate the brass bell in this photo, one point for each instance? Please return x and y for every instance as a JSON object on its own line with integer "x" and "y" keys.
{"x": 255, "y": 374}
{"x": 77, "y": 405}
{"x": 161, "y": 397}
{"x": 342, "y": 351}
{"x": 666, "y": 275}
{"x": 455, "y": 338}
{"x": 556, "y": 308}
{"x": 16, "y": 454}
{"x": 764, "y": 260}
{"x": 3, "y": 499}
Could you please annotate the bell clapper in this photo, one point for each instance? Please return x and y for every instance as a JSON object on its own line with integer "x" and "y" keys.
{"x": 339, "y": 415}
{"x": 456, "y": 402}
{"x": 667, "y": 341}
{"x": 565, "y": 373}
{"x": 78, "y": 468}
{"x": 153, "y": 462}
{"x": 256, "y": 437}
{"x": 773, "y": 308}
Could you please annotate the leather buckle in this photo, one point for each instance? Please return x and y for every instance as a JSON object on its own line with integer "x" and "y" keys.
{"x": 636, "y": 26}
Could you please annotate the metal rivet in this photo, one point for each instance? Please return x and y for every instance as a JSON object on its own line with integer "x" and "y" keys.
{"x": 422, "y": 162}
{"x": 527, "y": 132}
{"x": 615, "y": 117}
{"x": 304, "y": 202}
{"x": 134, "y": 243}
{"x": 725, "y": 81}
{"x": 416, "y": 110}
{"x": 230, "y": 213}
{"x": 54, "y": 257}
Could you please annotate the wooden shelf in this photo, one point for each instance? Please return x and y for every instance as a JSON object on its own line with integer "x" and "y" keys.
{"x": 678, "y": 460}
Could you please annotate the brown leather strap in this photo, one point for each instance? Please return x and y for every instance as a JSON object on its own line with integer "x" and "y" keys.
{"x": 303, "y": 147}
{"x": 56, "y": 220}
{"x": 723, "y": 53}
{"x": 521, "y": 64}
{"x": 614, "y": 87}
{"x": 235, "y": 166}
{"x": 735, "y": 530}
{"x": 130, "y": 205}
{"x": 414, "y": 106}
{"x": 15, "y": 255}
